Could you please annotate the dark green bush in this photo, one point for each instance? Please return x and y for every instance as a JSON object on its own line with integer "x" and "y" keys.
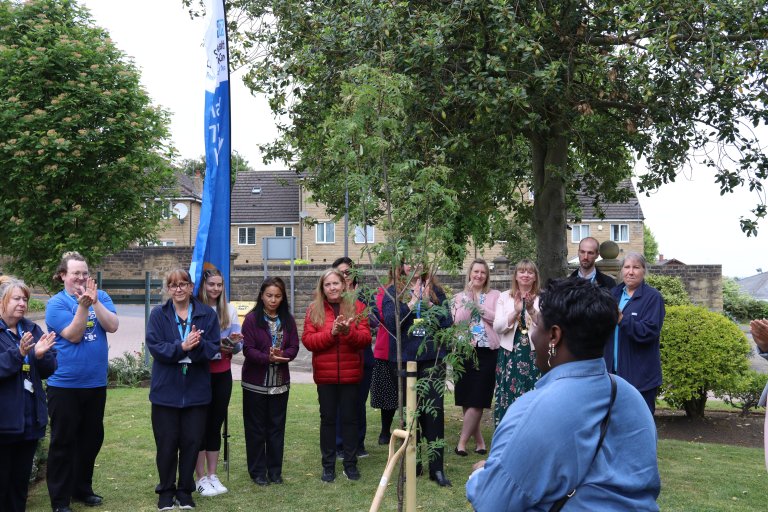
{"x": 128, "y": 371}
{"x": 671, "y": 289}
{"x": 701, "y": 351}
{"x": 740, "y": 306}
{"x": 746, "y": 392}
{"x": 36, "y": 305}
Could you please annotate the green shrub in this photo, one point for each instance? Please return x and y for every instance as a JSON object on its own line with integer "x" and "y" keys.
{"x": 746, "y": 392}
{"x": 701, "y": 351}
{"x": 671, "y": 289}
{"x": 128, "y": 371}
{"x": 36, "y": 305}
{"x": 740, "y": 306}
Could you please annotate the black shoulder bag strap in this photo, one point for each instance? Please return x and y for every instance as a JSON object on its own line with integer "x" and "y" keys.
{"x": 556, "y": 506}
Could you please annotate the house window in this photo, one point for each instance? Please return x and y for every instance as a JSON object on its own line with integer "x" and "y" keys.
{"x": 620, "y": 232}
{"x": 246, "y": 236}
{"x": 579, "y": 232}
{"x": 167, "y": 211}
{"x": 326, "y": 233}
{"x": 284, "y": 231}
{"x": 363, "y": 235}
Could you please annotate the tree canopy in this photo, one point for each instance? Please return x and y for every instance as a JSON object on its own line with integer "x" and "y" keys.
{"x": 552, "y": 97}
{"x": 82, "y": 149}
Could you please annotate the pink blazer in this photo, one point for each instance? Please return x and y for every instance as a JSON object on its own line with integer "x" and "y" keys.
{"x": 462, "y": 312}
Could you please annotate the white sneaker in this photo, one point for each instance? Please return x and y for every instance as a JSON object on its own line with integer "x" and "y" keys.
{"x": 214, "y": 482}
{"x": 205, "y": 488}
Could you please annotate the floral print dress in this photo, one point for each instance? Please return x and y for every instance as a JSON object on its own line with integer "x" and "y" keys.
{"x": 515, "y": 371}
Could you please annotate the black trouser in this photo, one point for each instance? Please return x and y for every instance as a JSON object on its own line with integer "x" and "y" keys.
{"x": 650, "y": 398}
{"x": 221, "y": 391}
{"x": 362, "y": 421}
{"x": 77, "y": 433}
{"x": 15, "y": 468}
{"x": 341, "y": 397}
{"x": 432, "y": 427}
{"x": 178, "y": 436}
{"x": 264, "y": 423}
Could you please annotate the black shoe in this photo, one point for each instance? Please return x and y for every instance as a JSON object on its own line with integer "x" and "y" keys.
{"x": 165, "y": 502}
{"x": 260, "y": 480}
{"x": 481, "y": 451}
{"x": 276, "y": 479}
{"x": 329, "y": 475}
{"x": 185, "y": 501}
{"x": 460, "y": 453}
{"x": 92, "y": 500}
{"x": 440, "y": 478}
{"x": 383, "y": 440}
{"x": 352, "y": 473}
{"x": 62, "y": 509}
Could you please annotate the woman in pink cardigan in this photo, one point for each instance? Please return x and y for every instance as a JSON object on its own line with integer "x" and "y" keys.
{"x": 476, "y": 306}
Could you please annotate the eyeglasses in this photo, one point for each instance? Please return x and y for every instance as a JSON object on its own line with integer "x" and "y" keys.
{"x": 178, "y": 286}
{"x": 346, "y": 272}
{"x": 79, "y": 275}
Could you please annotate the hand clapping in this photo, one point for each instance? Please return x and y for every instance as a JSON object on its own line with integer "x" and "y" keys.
{"x": 44, "y": 344}
{"x": 759, "y": 330}
{"x": 341, "y": 325}
{"x": 87, "y": 296}
{"x": 192, "y": 340}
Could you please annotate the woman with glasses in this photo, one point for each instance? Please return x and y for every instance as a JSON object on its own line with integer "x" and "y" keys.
{"x": 212, "y": 293}
{"x": 182, "y": 336}
{"x": 81, "y": 316}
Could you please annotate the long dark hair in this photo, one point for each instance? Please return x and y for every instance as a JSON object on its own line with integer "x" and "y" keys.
{"x": 283, "y": 313}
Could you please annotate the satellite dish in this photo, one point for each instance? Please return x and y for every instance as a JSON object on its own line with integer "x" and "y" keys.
{"x": 180, "y": 210}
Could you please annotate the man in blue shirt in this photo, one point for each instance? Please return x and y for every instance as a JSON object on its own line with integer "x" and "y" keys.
{"x": 549, "y": 445}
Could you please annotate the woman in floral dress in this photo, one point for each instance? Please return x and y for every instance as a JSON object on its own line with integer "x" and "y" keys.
{"x": 515, "y": 371}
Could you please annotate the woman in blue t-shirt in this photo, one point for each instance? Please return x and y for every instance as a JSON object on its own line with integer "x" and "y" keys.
{"x": 81, "y": 316}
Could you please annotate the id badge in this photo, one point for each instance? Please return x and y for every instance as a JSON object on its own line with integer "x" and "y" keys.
{"x": 418, "y": 328}
{"x": 28, "y": 386}
{"x": 25, "y": 367}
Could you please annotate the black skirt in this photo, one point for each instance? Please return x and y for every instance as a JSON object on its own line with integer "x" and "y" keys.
{"x": 384, "y": 385}
{"x": 475, "y": 386}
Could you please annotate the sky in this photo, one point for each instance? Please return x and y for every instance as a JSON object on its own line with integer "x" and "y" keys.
{"x": 689, "y": 218}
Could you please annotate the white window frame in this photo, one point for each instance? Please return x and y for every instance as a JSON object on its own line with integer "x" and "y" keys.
{"x": 321, "y": 228}
{"x": 360, "y": 235}
{"x": 620, "y": 233}
{"x": 577, "y": 232}
{"x": 246, "y": 230}
{"x": 287, "y": 231}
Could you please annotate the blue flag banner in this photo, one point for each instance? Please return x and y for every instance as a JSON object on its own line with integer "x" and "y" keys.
{"x": 212, "y": 245}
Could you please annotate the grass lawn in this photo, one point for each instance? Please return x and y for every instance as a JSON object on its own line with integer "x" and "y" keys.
{"x": 695, "y": 477}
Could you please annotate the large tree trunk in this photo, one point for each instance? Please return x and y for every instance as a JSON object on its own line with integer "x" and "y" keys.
{"x": 550, "y": 159}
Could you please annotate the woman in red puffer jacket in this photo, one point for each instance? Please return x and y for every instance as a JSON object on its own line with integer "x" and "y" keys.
{"x": 335, "y": 331}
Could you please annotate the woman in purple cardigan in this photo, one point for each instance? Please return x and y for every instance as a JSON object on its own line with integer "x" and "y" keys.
{"x": 270, "y": 341}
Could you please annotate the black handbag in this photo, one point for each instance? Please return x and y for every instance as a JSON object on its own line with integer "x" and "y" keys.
{"x": 556, "y": 506}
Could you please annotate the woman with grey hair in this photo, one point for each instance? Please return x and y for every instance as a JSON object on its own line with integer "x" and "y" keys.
{"x": 633, "y": 352}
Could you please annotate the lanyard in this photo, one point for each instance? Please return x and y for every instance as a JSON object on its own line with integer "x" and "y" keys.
{"x": 272, "y": 332}
{"x": 418, "y": 304}
{"x": 185, "y": 332}
{"x": 625, "y": 298}
{"x": 26, "y": 357}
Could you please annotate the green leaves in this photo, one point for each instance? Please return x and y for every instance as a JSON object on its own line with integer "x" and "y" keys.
{"x": 82, "y": 149}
